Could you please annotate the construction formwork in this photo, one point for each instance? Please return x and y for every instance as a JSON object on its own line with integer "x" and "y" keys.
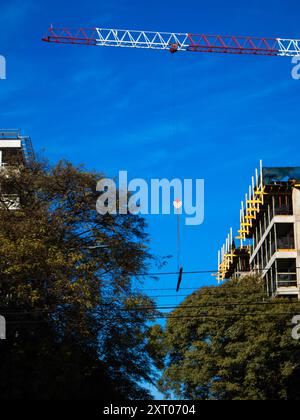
{"x": 269, "y": 233}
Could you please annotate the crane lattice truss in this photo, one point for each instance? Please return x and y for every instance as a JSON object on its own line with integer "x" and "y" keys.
{"x": 175, "y": 42}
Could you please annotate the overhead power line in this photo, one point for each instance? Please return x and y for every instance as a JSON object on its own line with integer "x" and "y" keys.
{"x": 175, "y": 273}
{"x": 164, "y": 307}
{"x": 218, "y": 317}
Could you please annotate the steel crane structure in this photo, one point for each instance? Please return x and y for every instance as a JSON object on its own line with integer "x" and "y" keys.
{"x": 175, "y": 42}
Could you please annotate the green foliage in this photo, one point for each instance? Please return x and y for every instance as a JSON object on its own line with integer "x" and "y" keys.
{"x": 66, "y": 289}
{"x": 232, "y": 343}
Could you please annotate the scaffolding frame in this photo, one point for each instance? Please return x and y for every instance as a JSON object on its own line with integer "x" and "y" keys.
{"x": 250, "y": 209}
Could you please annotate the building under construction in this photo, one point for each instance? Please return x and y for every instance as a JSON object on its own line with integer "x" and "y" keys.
{"x": 15, "y": 150}
{"x": 269, "y": 234}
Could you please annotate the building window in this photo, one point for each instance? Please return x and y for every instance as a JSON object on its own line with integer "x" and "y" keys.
{"x": 286, "y": 273}
{"x": 283, "y": 204}
{"x": 10, "y": 156}
{"x": 285, "y": 236}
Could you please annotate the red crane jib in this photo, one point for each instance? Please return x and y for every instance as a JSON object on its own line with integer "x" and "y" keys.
{"x": 175, "y": 42}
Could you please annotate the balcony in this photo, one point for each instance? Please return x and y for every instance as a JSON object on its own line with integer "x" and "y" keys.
{"x": 286, "y": 280}
{"x": 282, "y": 278}
{"x": 286, "y": 243}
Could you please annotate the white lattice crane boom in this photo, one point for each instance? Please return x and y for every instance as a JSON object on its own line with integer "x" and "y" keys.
{"x": 174, "y": 42}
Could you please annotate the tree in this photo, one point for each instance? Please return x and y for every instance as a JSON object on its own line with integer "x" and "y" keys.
{"x": 232, "y": 343}
{"x": 66, "y": 289}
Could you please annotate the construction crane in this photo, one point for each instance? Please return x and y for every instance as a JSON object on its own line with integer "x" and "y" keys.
{"x": 175, "y": 42}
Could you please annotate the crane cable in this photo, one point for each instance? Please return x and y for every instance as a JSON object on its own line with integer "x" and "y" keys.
{"x": 178, "y": 206}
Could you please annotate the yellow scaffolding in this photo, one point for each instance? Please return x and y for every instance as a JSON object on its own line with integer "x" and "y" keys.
{"x": 226, "y": 257}
{"x": 249, "y": 212}
{"x": 254, "y": 201}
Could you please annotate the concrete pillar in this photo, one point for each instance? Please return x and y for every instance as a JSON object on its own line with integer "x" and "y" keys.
{"x": 296, "y": 210}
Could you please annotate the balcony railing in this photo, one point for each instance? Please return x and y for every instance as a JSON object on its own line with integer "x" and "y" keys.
{"x": 284, "y": 210}
{"x": 285, "y": 280}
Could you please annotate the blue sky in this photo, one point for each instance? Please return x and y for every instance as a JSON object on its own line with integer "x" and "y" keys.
{"x": 155, "y": 114}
